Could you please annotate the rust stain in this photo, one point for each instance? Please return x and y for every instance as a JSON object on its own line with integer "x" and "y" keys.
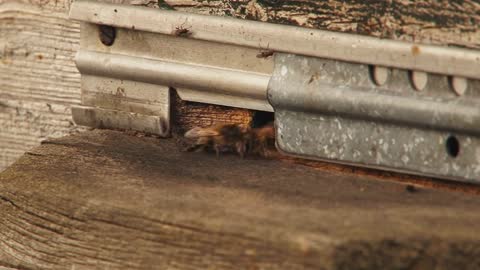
{"x": 415, "y": 50}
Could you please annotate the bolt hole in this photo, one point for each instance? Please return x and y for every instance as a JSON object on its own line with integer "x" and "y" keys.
{"x": 453, "y": 146}
{"x": 107, "y": 35}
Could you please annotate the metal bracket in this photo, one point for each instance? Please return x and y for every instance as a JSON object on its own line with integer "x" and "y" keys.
{"x": 340, "y": 97}
{"x": 348, "y": 113}
{"x": 127, "y": 70}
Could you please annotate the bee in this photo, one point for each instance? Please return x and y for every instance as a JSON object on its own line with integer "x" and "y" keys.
{"x": 222, "y": 137}
{"x": 261, "y": 138}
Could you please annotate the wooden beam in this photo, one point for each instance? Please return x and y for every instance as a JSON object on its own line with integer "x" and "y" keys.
{"x": 103, "y": 199}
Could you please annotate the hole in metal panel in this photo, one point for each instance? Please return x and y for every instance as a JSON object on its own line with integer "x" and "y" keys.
{"x": 107, "y": 34}
{"x": 453, "y": 146}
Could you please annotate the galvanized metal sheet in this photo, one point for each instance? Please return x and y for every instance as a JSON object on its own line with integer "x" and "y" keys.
{"x": 209, "y": 79}
{"x": 119, "y": 119}
{"x": 335, "y": 111}
{"x": 129, "y": 96}
{"x": 224, "y": 99}
{"x": 201, "y": 71}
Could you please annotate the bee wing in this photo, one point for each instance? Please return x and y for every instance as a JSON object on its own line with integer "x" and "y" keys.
{"x": 200, "y": 132}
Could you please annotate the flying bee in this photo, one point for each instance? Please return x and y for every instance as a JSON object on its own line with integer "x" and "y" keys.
{"x": 222, "y": 137}
{"x": 261, "y": 138}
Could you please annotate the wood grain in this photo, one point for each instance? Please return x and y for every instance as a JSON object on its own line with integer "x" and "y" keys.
{"x": 106, "y": 200}
{"x": 38, "y": 78}
{"x": 186, "y": 115}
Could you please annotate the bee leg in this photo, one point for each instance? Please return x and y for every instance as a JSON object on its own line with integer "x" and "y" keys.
{"x": 250, "y": 146}
{"x": 264, "y": 149}
{"x": 195, "y": 147}
{"x": 253, "y": 148}
{"x": 241, "y": 149}
{"x": 217, "y": 150}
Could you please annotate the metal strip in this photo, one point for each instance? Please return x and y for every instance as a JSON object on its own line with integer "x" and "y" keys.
{"x": 382, "y": 106}
{"x": 377, "y": 145}
{"x": 222, "y": 81}
{"x": 128, "y": 96}
{"x": 105, "y": 118}
{"x": 225, "y": 100}
{"x": 333, "y": 110}
{"x": 189, "y": 52}
{"x": 282, "y": 38}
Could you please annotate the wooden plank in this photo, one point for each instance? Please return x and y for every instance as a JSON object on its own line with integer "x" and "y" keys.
{"x": 103, "y": 199}
{"x": 38, "y": 78}
{"x": 186, "y": 115}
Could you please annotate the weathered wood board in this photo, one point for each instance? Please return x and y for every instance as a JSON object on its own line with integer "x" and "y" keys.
{"x": 39, "y": 81}
{"x": 38, "y": 78}
{"x": 106, "y": 200}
